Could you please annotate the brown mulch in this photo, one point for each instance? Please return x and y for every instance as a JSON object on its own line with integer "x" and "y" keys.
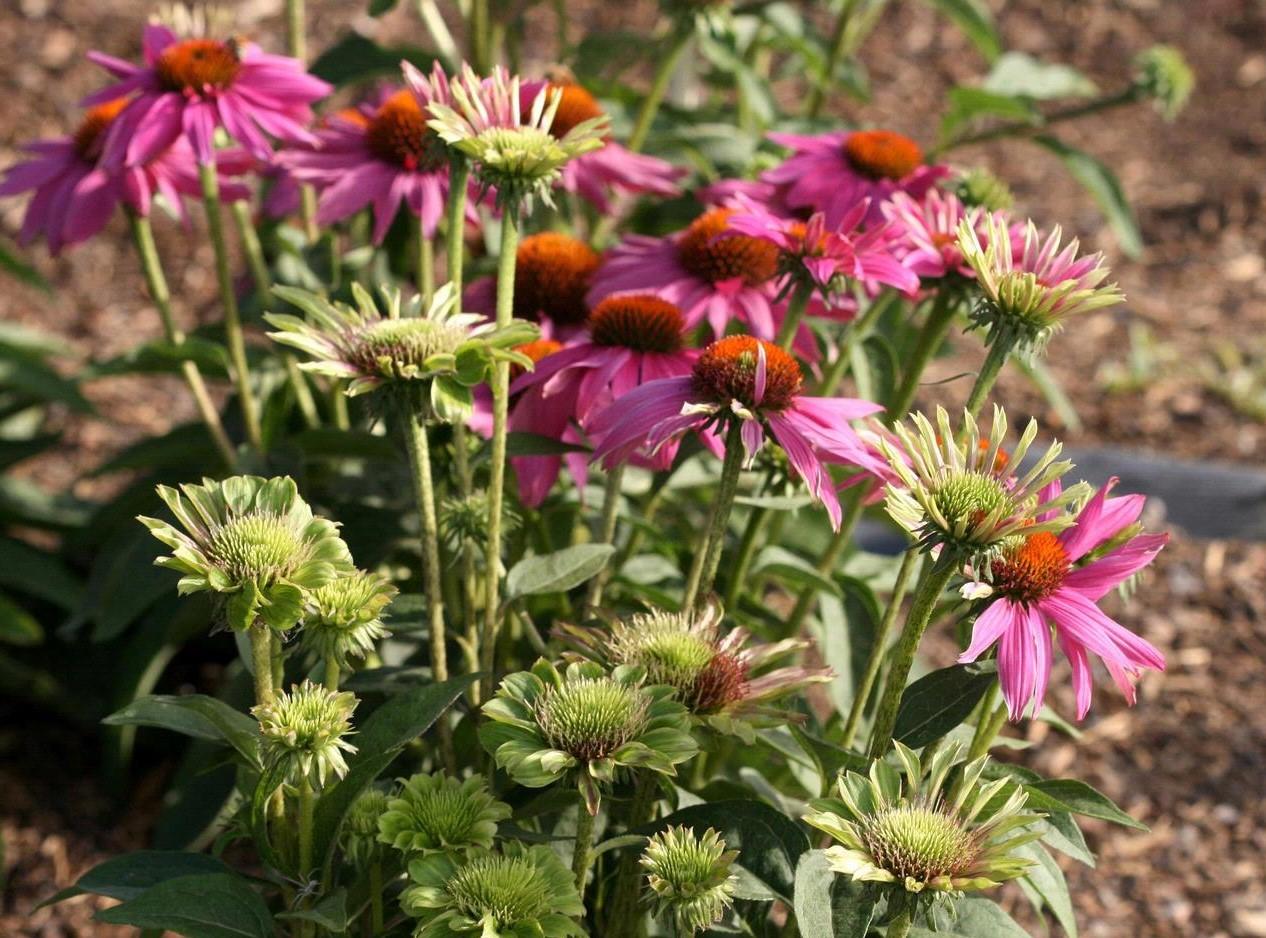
{"x": 1189, "y": 760}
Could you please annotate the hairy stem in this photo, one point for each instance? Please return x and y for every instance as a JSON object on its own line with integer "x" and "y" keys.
{"x": 424, "y": 264}
{"x": 332, "y": 673}
{"x": 704, "y": 569}
{"x": 606, "y": 533}
{"x": 734, "y": 581}
{"x": 823, "y": 80}
{"x": 795, "y": 312}
{"x": 582, "y": 853}
{"x": 659, "y": 86}
{"x": 995, "y": 358}
{"x": 262, "y": 662}
{"x": 455, "y": 222}
{"x": 930, "y": 338}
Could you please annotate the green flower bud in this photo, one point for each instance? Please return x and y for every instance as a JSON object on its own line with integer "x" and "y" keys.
{"x": 344, "y": 616}
{"x": 439, "y": 813}
{"x": 359, "y": 834}
{"x": 690, "y": 876}
{"x": 305, "y": 728}
{"x": 1163, "y": 74}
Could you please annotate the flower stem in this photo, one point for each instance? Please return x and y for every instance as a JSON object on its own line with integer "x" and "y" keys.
{"x": 795, "y": 312}
{"x": 659, "y": 85}
{"x": 582, "y": 853}
{"x": 332, "y": 673}
{"x": 431, "y": 18}
{"x": 823, "y": 80}
{"x": 909, "y": 561}
{"x": 262, "y": 662}
{"x": 623, "y": 919}
{"x": 1128, "y": 95}
{"x": 747, "y": 547}
{"x": 497, "y": 469}
{"x": 930, "y": 338}
{"x": 931, "y": 585}
{"x": 900, "y": 926}
{"x": 424, "y": 263}
{"x": 255, "y": 259}
{"x": 992, "y": 715}
{"x": 296, "y": 30}
{"x": 704, "y": 569}
{"x": 156, "y": 280}
{"x": 857, "y": 331}
{"x": 996, "y": 357}
{"x": 375, "y": 898}
{"x": 826, "y": 563}
{"x": 479, "y": 38}
{"x": 210, "y": 180}
{"x": 455, "y": 232}
{"x": 606, "y": 533}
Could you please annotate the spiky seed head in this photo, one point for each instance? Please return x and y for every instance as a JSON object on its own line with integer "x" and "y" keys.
{"x": 918, "y": 843}
{"x": 344, "y": 617}
{"x": 590, "y": 718}
{"x": 305, "y": 727}
{"x": 464, "y": 520}
{"x": 440, "y": 813}
{"x": 689, "y": 876}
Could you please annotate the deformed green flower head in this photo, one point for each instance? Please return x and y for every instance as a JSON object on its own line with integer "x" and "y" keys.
{"x": 513, "y": 151}
{"x": 464, "y": 520}
{"x": 690, "y": 876}
{"x": 433, "y": 356}
{"x": 544, "y": 724}
{"x": 305, "y": 728}
{"x": 255, "y": 542}
{"x": 979, "y": 188}
{"x": 722, "y": 678}
{"x": 956, "y": 491}
{"x": 940, "y": 829}
{"x": 438, "y": 813}
{"x": 1030, "y": 285}
{"x": 522, "y": 892}
{"x": 1162, "y": 73}
{"x": 344, "y": 616}
{"x": 358, "y": 836}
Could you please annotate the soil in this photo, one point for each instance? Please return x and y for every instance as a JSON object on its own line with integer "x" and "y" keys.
{"x": 1188, "y": 760}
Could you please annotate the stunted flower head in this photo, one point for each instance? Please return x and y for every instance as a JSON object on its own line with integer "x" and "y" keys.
{"x": 434, "y": 356}
{"x": 720, "y": 676}
{"x": 438, "y": 813}
{"x": 464, "y": 521}
{"x": 545, "y": 724}
{"x": 344, "y": 616}
{"x": 955, "y": 492}
{"x": 304, "y": 728}
{"x": 690, "y": 876}
{"x": 252, "y": 540}
{"x": 520, "y": 892}
{"x": 940, "y": 829}
{"x": 1028, "y": 292}
{"x": 358, "y": 836}
{"x": 1162, "y": 73}
{"x": 512, "y": 151}
{"x": 979, "y": 188}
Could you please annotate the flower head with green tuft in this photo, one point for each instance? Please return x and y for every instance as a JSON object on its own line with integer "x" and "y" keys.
{"x": 435, "y": 356}
{"x": 304, "y": 729}
{"x": 358, "y": 837}
{"x": 940, "y": 829}
{"x": 545, "y": 723}
{"x": 438, "y": 813}
{"x": 977, "y": 187}
{"x": 721, "y": 677}
{"x": 1030, "y": 285}
{"x": 954, "y": 491}
{"x": 690, "y": 877}
{"x": 344, "y": 617}
{"x": 512, "y": 151}
{"x": 1162, "y": 73}
{"x": 522, "y": 892}
{"x": 464, "y": 521}
{"x": 253, "y": 541}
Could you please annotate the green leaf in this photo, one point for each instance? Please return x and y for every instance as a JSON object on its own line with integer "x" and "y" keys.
{"x": 209, "y": 906}
{"x": 794, "y": 570}
{"x": 975, "y": 918}
{"x": 350, "y": 444}
{"x": 937, "y": 702}
{"x": 34, "y": 378}
{"x": 13, "y": 452}
{"x": 829, "y": 905}
{"x": 1076, "y": 797}
{"x": 19, "y": 269}
{"x": 1104, "y": 188}
{"x": 847, "y": 633}
{"x": 17, "y": 626}
{"x": 1020, "y": 75}
{"x": 163, "y": 357}
{"x": 36, "y": 573}
{"x": 127, "y": 876}
{"x": 522, "y": 443}
{"x": 556, "y": 572}
{"x": 195, "y": 715}
{"x": 1047, "y": 880}
{"x": 967, "y": 105}
{"x": 354, "y": 59}
{"x": 974, "y": 19}
{"x": 1063, "y": 834}
{"x": 180, "y": 448}
{"x": 769, "y": 843}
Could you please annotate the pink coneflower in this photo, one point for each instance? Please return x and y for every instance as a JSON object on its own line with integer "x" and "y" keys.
{"x": 384, "y": 156}
{"x": 610, "y": 170}
{"x": 707, "y": 276}
{"x": 925, "y": 232}
{"x": 1055, "y": 580}
{"x": 552, "y": 274}
{"x": 752, "y": 381}
{"x": 831, "y": 173}
{"x": 75, "y": 195}
{"x": 189, "y": 87}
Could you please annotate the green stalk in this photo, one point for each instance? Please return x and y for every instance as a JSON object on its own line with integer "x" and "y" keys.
{"x": 1128, "y": 95}
{"x": 262, "y": 662}
{"x": 332, "y": 673}
{"x": 424, "y": 263}
{"x": 822, "y": 81}
{"x": 429, "y": 13}
{"x": 930, "y": 338}
{"x": 606, "y": 532}
{"x": 210, "y": 180}
{"x": 455, "y": 231}
{"x": 909, "y": 561}
{"x": 659, "y": 85}
{"x": 857, "y": 331}
{"x": 582, "y": 853}
{"x": 931, "y": 585}
{"x": 747, "y": 547}
{"x": 708, "y": 557}
{"x": 900, "y": 926}
{"x": 995, "y": 358}
{"x": 258, "y": 264}
{"x": 156, "y": 281}
{"x": 992, "y": 716}
{"x": 853, "y": 509}
{"x": 479, "y": 38}
{"x": 296, "y": 30}
{"x": 497, "y": 470}
{"x": 795, "y": 312}
{"x": 375, "y": 898}
{"x": 622, "y": 917}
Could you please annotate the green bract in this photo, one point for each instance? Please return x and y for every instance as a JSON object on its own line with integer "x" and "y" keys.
{"x": 305, "y": 728}
{"x": 438, "y": 813}
{"x": 690, "y": 876}
{"x": 545, "y": 724}
{"x": 1163, "y": 74}
{"x": 523, "y": 892}
{"x": 435, "y": 356}
{"x": 358, "y": 836}
{"x": 253, "y": 540}
{"x": 941, "y": 829}
{"x": 343, "y": 619}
